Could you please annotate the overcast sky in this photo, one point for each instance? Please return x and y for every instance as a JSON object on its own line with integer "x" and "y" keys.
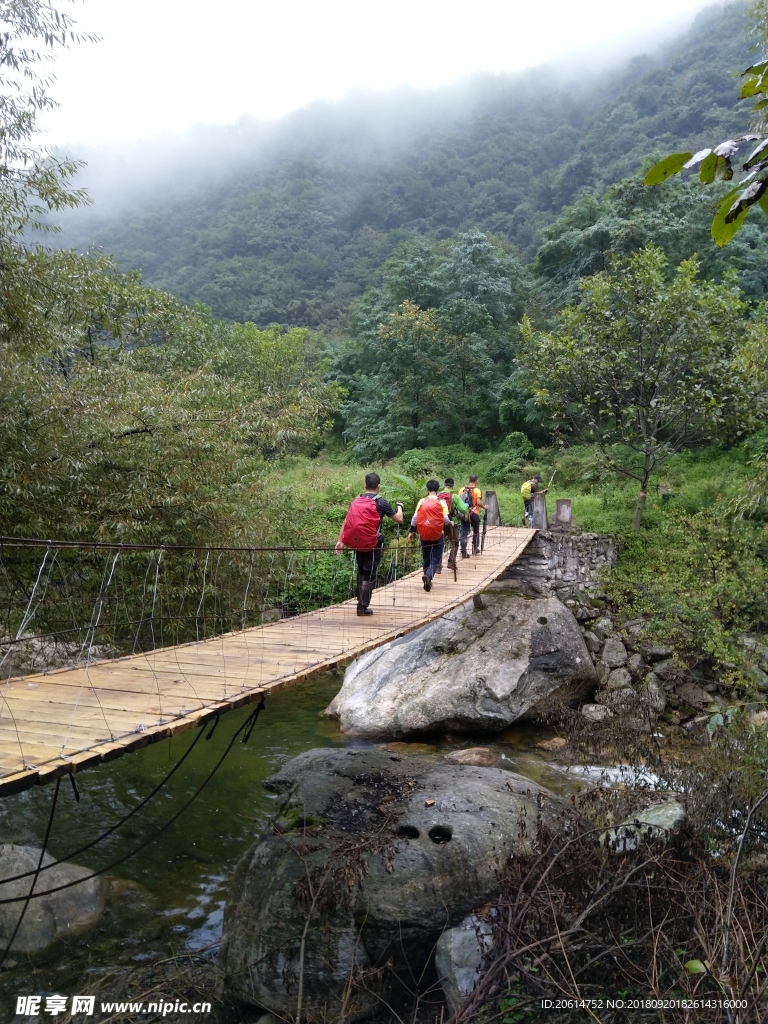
{"x": 163, "y": 65}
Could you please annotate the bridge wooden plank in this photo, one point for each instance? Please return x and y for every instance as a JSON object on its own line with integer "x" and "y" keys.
{"x": 174, "y": 689}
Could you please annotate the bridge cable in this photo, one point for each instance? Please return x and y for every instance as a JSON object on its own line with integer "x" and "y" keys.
{"x": 246, "y": 726}
{"x": 36, "y": 873}
{"x": 113, "y": 828}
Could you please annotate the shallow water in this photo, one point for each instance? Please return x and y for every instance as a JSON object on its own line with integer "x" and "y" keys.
{"x": 170, "y": 896}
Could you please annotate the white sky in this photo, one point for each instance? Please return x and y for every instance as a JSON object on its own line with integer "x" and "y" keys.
{"x": 164, "y": 65}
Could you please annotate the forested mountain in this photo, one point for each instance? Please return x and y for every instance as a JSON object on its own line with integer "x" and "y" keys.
{"x": 288, "y": 222}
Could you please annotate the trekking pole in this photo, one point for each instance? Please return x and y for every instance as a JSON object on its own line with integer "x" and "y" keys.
{"x": 485, "y": 528}
{"x": 397, "y": 550}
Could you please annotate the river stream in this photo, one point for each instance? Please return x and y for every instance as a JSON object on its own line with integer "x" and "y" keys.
{"x": 170, "y": 896}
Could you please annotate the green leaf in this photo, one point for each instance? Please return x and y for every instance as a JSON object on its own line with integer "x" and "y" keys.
{"x": 752, "y": 87}
{"x": 751, "y": 195}
{"x": 696, "y": 159}
{"x": 666, "y": 168}
{"x": 722, "y": 231}
{"x": 714, "y": 723}
{"x": 707, "y": 169}
{"x": 756, "y": 69}
{"x": 757, "y": 154}
{"x": 695, "y": 967}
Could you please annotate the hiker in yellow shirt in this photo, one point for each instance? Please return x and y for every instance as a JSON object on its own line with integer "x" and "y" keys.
{"x": 527, "y": 491}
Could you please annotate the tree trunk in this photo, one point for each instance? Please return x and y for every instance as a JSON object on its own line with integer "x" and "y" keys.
{"x": 639, "y": 510}
{"x": 640, "y": 507}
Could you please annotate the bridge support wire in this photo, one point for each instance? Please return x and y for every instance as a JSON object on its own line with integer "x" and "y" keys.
{"x": 243, "y": 731}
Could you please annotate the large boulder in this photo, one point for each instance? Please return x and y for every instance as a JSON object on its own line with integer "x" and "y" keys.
{"x": 476, "y": 668}
{"x": 47, "y": 918}
{"x": 371, "y": 858}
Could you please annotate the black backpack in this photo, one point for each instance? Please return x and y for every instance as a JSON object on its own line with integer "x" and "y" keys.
{"x": 466, "y": 497}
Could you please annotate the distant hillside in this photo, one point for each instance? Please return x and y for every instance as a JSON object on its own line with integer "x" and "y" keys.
{"x": 288, "y": 222}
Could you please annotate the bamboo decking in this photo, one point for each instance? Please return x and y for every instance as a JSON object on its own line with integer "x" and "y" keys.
{"x": 65, "y": 720}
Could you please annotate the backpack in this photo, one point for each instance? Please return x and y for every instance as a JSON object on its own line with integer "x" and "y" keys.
{"x": 447, "y": 497}
{"x": 361, "y": 525}
{"x": 429, "y": 520}
{"x": 525, "y": 491}
{"x": 457, "y": 508}
{"x": 467, "y": 497}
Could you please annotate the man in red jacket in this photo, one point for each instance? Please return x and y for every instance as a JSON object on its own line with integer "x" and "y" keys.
{"x": 368, "y": 558}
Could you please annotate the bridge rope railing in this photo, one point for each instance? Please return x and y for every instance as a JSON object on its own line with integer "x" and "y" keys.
{"x": 68, "y": 603}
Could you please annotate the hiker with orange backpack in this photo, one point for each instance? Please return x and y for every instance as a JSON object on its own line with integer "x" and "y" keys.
{"x": 473, "y": 497}
{"x": 429, "y": 521}
{"x": 362, "y": 534}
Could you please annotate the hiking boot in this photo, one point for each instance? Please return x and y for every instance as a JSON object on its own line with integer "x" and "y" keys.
{"x": 427, "y": 582}
{"x": 439, "y": 569}
{"x": 464, "y": 554}
{"x": 364, "y": 611}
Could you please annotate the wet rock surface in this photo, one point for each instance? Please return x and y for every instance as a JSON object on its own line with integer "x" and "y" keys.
{"x": 660, "y": 821}
{"x": 474, "y": 669}
{"x": 459, "y": 956}
{"x": 47, "y": 918}
{"x": 376, "y": 856}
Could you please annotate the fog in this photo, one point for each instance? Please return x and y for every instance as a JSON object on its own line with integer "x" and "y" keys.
{"x": 365, "y": 123}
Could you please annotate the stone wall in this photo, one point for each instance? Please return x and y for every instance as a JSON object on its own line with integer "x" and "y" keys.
{"x": 560, "y": 563}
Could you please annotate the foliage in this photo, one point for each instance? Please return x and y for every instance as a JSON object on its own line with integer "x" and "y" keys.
{"x": 701, "y": 579}
{"x": 441, "y": 461}
{"x": 753, "y": 364}
{"x": 511, "y": 455}
{"x": 32, "y": 184}
{"x": 641, "y": 367}
{"x": 124, "y": 414}
{"x": 715, "y": 163}
{"x": 161, "y": 442}
{"x": 596, "y": 229}
{"x": 428, "y": 370}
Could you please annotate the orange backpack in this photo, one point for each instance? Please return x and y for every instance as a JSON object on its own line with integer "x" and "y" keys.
{"x": 429, "y": 520}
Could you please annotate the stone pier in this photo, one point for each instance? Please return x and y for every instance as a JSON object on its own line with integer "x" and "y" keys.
{"x": 560, "y": 564}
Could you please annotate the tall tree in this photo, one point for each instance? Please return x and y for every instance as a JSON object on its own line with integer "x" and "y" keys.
{"x": 468, "y": 295}
{"x": 123, "y": 413}
{"x": 32, "y": 183}
{"x": 642, "y": 366}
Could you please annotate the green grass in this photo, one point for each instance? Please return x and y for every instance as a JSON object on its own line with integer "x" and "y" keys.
{"x": 306, "y": 499}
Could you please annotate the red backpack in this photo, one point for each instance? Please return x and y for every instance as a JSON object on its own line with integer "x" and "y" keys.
{"x": 429, "y": 520}
{"x": 361, "y": 526}
{"x": 447, "y": 497}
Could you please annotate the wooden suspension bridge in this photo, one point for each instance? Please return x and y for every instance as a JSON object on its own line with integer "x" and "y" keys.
{"x": 64, "y": 720}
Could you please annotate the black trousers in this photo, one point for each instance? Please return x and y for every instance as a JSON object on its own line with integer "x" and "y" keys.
{"x": 474, "y": 524}
{"x": 367, "y": 567}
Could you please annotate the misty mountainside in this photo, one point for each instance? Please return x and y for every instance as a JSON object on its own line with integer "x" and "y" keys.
{"x": 287, "y": 222}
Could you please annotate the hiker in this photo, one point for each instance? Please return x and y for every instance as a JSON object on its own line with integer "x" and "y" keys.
{"x": 429, "y": 521}
{"x": 457, "y": 509}
{"x": 472, "y": 496}
{"x": 527, "y": 491}
{"x": 362, "y": 533}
